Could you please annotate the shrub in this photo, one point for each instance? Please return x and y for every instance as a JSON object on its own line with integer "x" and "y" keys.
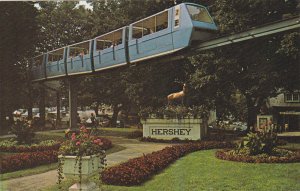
{"x": 137, "y": 170}
{"x": 135, "y": 134}
{"x": 12, "y": 146}
{"x": 26, "y": 160}
{"x": 260, "y": 142}
{"x": 24, "y": 131}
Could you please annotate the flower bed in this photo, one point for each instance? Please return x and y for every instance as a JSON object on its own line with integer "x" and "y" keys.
{"x": 138, "y": 170}
{"x": 27, "y": 160}
{"x": 33, "y": 156}
{"x": 279, "y": 156}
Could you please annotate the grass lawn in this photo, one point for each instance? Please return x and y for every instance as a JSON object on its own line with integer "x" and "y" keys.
{"x": 116, "y": 132}
{"x": 103, "y": 131}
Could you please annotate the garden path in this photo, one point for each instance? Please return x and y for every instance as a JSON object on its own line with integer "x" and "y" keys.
{"x": 38, "y": 182}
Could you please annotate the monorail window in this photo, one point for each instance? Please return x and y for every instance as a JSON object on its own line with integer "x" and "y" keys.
{"x": 56, "y": 55}
{"x": 79, "y": 49}
{"x": 37, "y": 61}
{"x": 137, "y": 30}
{"x": 150, "y": 25}
{"x": 162, "y": 21}
{"x": 199, "y": 14}
{"x": 109, "y": 40}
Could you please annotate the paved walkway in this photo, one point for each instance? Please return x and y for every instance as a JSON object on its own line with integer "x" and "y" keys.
{"x": 37, "y": 182}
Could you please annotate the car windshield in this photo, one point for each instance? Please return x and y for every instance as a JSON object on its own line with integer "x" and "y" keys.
{"x": 199, "y": 14}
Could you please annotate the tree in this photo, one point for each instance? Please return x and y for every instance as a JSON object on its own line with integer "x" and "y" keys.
{"x": 255, "y": 68}
{"x": 62, "y": 24}
{"x": 18, "y": 36}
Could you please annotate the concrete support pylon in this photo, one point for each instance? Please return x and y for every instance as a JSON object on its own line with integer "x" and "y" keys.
{"x": 73, "y": 103}
{"x": 58, "y": 119}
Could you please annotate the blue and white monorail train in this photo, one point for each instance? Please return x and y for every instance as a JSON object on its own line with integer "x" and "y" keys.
{"x": 158, "y": 35}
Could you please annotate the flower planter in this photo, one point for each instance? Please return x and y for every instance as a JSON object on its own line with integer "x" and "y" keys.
{"x": 89, "y": 166}
{"x": 186, "y": 128}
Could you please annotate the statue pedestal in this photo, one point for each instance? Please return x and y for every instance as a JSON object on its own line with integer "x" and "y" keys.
{"x": 188, "y": 128}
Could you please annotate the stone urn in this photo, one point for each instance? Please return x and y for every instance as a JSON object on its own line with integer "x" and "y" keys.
{"x": 90, "y": 165}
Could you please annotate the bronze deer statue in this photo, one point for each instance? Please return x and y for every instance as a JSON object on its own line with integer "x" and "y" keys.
{"x": 177, "y": 95}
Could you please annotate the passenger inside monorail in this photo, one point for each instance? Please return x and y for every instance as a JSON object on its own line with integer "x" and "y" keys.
{"x": 109, "y": 40}
{"x": 80, "y": 49}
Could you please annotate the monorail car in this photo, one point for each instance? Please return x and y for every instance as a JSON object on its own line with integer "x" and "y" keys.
{"x": 56, "y": 63}
{"x": 79, "y": 58}
{"x": 161, "y": 34}
{"x": 110, "y": 50}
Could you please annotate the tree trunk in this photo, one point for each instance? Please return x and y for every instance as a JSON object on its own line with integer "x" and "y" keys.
{"x": 116, "y": 110}
{"x": 29, "y": 109}
{"x": 29, "y": 104}
{"x": 2, "y": 119}
{"x": 251, "y": 114}
{"x": 57, "y": 109}
{"x": 96, "y": 109}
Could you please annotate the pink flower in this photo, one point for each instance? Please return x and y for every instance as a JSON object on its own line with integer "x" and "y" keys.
{"x": 77, "y": 143}
{"x": 98, "y": 142}
{"x": 73, "y": 137}
{"x": 83, "y": 129}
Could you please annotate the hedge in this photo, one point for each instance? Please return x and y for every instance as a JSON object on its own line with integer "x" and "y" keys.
{"x": 27, "y": 160}
{"x": 35, "y": 156}
{"x": 138, "y": 170}
{"x": 20, "y": 149}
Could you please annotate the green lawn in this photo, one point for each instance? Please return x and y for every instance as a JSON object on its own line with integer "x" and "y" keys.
{"x": 103, "y": 131}
{"x": 115, "y": 132}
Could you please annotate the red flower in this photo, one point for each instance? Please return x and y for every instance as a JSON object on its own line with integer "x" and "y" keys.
{"x": 77, "y": 143}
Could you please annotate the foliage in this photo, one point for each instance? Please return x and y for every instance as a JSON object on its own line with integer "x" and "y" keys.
{"x": 277, "y": 156}
{"x": 27, "y": 160}
{"x": 83, "y": 144}
{"x": 259, "y": 142}
{"x": 11, "y": 146}
{"x": 61, "y": 24}
{"x": 135, "y": 134}
{"x": 256, "y": 69}
{"x": 137, "y": 170}
{"x": 24, "y": 131}
{"x": 173, "y": 111}
{"x": 18, "y": 38}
